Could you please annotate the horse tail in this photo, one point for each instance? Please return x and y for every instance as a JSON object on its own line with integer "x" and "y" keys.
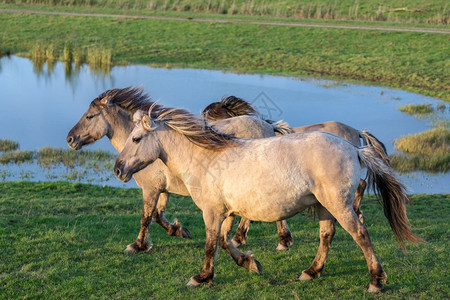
{"x": 228, "y": 107}
{"x": 377, "y": 145}
{"x": 281, "y": 127}
{"x": 392, "y": 192}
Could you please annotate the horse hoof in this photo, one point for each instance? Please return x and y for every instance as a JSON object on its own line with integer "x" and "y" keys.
{"x": 255, "y": 266}
{"x": 185, "y": 233}
{"x": 193, "y": 282}
{"x": 305, "y": 277}
{"x": 375, "y": 288}
{"x": 282, "y": 247}
{"x": 134, "y": 248}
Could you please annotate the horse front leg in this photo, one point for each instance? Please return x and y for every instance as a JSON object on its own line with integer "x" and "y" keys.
{"x": 243, "y": 259}
{"x": 142, "y": 243}
{"x": 327, "y": 230}
{"x": 213, "y": 222}
{"x": 172, "y": 229}
{"x": 285, "y": 237}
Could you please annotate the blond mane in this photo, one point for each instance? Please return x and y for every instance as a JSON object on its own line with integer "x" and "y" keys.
{"x": 193, "y": 128}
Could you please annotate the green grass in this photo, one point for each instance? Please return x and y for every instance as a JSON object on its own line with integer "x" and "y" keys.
{"x": 417, "y": 109}
{"x": 426, "y": 151}
{"x": 8, "y": 145}
{"x": 411, "y": 11}
{"x": 414, "y": 61}
{"x": 63, "y": 240}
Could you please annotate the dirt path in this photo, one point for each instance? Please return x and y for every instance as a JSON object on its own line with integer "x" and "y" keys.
{"x": 234, "y": 21}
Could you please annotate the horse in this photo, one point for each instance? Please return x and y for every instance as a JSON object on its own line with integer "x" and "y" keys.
{"x": 223, "y": 109}
{"x": 110, "y": 114}
{"x": 266, "y": 180}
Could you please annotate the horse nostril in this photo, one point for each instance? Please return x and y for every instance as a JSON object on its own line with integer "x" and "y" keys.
{"x": 69, "y": 139}
{"x": 117, "y": 172}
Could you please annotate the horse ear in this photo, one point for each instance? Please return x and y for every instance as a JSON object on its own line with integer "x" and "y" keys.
{"x": 148, "y": 123}
{"x": 138, "y": 115}
{"x": 106, "y": 101}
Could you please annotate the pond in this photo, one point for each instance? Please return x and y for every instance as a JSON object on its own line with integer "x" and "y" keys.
{"x": 40, "y": 107}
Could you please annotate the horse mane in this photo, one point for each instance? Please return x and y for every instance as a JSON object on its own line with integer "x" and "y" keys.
{"x": 129, "y": 98}
{"x": 228, "y": 107}
{"x": 193, "y": 128}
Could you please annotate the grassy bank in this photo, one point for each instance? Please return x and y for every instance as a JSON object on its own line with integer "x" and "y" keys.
{"x": 63, "y": 240}
{"x": 426, "y": 151}
{"x": 414, "y": 61}
{"x": 411, "y": 11}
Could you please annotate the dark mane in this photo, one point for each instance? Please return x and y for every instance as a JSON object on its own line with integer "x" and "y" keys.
{"x": 129, "y": 98}
{"x": 228, "y": 107}
{"x": 193, "y": 128}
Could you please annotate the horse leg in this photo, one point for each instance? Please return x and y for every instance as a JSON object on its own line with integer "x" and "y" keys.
{"x": 351, "y": 223}
{"x": 174, "y": 229}
{"x": 213, "y": 222}
{"x": 358, "y": 197}
{"x": 284, "y": 235}
{"x": 326, "y": 224}
{"x": 142, "y": 243}
{"x": 240, "y": 237}
{"x": 243, "y": 259}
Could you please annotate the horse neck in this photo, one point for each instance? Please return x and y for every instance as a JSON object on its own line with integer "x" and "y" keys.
{"x": 181, "y": 156}
{"x": 121, "y": 127}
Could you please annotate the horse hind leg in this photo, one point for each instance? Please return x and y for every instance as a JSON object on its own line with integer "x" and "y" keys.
{"x": 172, "y": 229}
{"x": 351, "y": 223}
{"x": 358, "y": 197}
{"x": 240, "y": 237}
{"x": 327, "y": 230}
{"x": 285, "y": 237}
{"x": 243, "y": 259}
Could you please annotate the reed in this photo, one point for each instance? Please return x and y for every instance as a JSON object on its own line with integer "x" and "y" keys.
{"x": 413, "y": 11}
{"x": 417, "y": 109}
{"x": 426, "y": 151}
{"x": 8, "y": 145}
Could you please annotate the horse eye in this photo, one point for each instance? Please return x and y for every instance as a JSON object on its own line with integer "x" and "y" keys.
{"x": 137, "y": 140}
{"x": 88, "y": 117}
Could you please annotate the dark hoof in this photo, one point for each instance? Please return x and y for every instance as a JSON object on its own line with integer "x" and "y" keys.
{"x": 178, "y": 230}
{"x": 185, "y": 233}
{"x": 135, "y": 248}
{"x": 250, "y": 263}
{"x": 255, "y": 266}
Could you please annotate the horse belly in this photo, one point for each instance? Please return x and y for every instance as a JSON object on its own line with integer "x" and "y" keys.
{"x": 269, "y": 207}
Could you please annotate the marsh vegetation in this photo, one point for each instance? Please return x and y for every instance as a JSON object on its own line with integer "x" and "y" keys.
{"x": 427, "y": 151}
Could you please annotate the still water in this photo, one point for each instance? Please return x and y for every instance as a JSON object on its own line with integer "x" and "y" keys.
{"x": 38, "y": 108}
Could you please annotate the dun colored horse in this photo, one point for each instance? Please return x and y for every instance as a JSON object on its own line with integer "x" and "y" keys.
{"x": 267, "y": 180}
{"x": 111, "y": 115}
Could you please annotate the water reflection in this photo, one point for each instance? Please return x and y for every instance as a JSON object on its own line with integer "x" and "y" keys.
{"x": 38, "y": 109}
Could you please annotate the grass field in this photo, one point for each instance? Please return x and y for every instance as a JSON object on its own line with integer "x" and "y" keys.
{"x": 414, "y": 61}
{"x": 405, "y": 11}
{"x": 63, "y": 240}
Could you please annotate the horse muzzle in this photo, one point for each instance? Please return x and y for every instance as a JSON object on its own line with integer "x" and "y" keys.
{"x": 74, "y": 142}
{"x": 120, "y": 173}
